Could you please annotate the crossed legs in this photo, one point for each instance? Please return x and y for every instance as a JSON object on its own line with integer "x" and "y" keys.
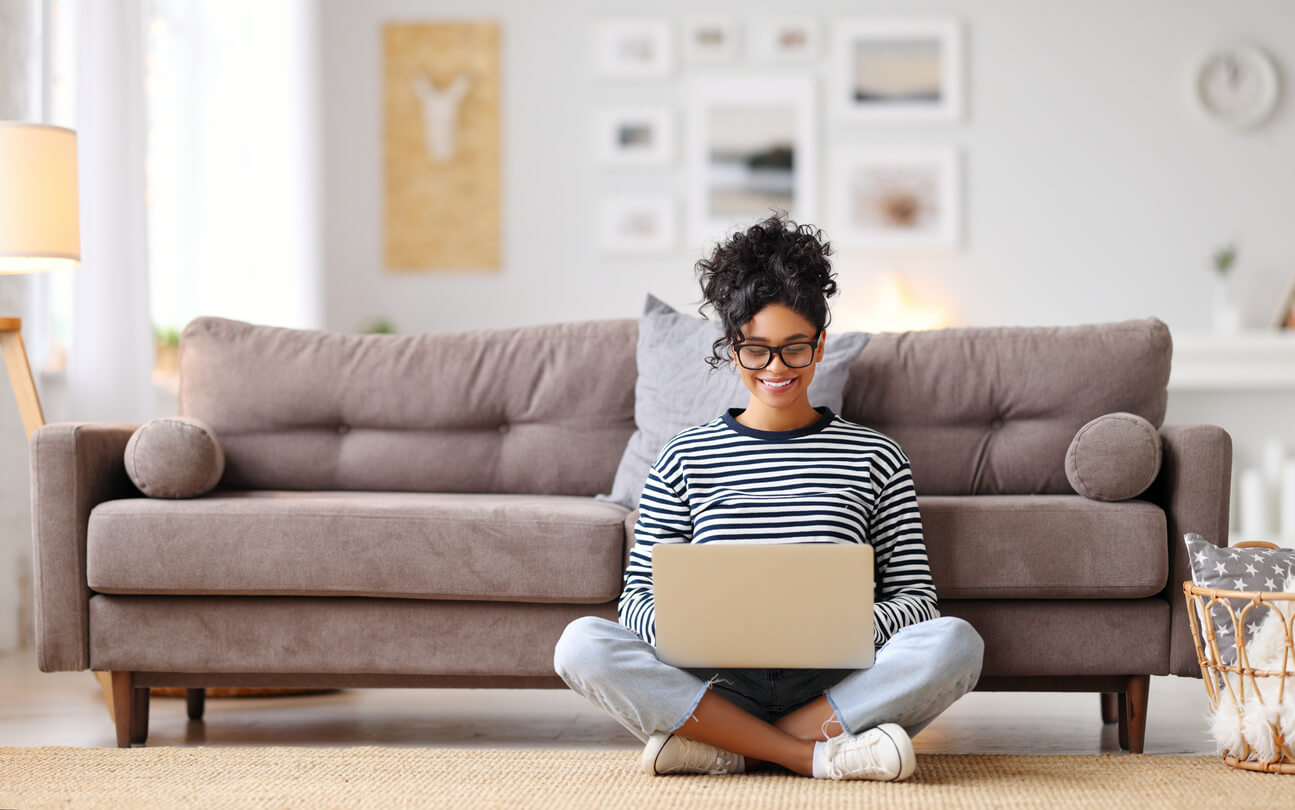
{"x": 788, "y": 741}
{"x": 918, "y": 674}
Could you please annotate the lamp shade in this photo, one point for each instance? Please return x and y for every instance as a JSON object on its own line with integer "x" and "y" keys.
{"x": 39, "y": 219}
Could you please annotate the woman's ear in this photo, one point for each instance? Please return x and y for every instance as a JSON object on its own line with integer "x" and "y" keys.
{"x": 822, "y": 343}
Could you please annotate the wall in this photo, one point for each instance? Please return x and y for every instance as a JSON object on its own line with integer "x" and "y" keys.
{"x": 1093, "y": 189}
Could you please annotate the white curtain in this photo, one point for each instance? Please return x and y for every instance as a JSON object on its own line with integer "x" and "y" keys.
{"x": 233, "y": 161}
{"x": 110, "y": 359}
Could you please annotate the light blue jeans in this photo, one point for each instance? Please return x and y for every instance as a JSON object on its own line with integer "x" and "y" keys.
{"x": 918, "y": 673}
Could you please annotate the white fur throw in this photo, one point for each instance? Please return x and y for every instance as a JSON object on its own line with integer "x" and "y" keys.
{"x": 1265, "y": 720}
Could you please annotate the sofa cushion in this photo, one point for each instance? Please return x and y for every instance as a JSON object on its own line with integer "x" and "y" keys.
{"x": 523, "y": 548}
{"x": 1114, "y": 457}
{"x": 539, "y": 409}
{"x": 174, "y": 457}
{"x": 676, "y": 389}
{"x": 1044, "y": 547}
{"x": 991, "y": 410}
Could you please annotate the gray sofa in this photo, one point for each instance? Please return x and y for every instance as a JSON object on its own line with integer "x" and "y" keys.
{"x": 418, "y": 511}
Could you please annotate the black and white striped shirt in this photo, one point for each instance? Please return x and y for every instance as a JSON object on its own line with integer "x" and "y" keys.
{"x": 830, "y": 482}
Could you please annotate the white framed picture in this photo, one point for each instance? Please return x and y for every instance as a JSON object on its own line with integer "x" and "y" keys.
{"x": 710, "y": 40}
{"x": 751, "y": 151}
{"x": 636, "y": 224}
{"x": 633, "y": 49}
{"x": 785, "y": 40}
{"x": 636, "y": 136}
{"x": 899, "y": 70}
{"x": 900, "y": 198}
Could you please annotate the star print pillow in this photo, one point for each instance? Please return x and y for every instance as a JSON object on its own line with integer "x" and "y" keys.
{"x": 1237, "y": 569}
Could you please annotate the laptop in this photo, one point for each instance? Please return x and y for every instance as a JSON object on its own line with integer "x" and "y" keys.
{"x": 782, "y": 606}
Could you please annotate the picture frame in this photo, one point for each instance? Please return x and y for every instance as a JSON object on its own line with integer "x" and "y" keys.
{"x": 897, "y": 198}
{"x": 710, "y": 40}
{"x": 635, "y": 136}
{"x": 751, "y": 150}
{"x": 636, "y": 224}
{"x": 899, "y": 70}
{"x": 633, "y": 49}
{"x": 785, "y": 40}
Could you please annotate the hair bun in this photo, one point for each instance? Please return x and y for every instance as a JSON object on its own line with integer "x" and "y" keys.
{"x": 773, "y": 261}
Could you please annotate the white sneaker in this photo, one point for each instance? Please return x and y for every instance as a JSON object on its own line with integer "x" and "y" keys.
{"x": 668, "y": 753}
{"x": 884, "y": 753}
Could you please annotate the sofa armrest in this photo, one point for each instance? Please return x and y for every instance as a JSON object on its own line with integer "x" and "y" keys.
{"x": 73, "y": 468}
{"x": 1194, "y": 488}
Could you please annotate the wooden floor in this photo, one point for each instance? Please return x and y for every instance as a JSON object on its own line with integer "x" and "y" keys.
{"x": 65, "y": 709}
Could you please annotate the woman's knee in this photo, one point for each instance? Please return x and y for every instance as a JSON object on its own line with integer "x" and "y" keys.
{"x": 573, "y": 653}
{"x": 962, "y": 645}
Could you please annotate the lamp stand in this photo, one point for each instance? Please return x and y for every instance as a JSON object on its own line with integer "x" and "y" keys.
{"x": 24, "y": 387}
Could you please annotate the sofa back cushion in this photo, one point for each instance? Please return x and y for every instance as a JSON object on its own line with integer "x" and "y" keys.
{"x": 991, "y": 411}
{"x": 537, "y": 409}
{"x": 549, "y": 409}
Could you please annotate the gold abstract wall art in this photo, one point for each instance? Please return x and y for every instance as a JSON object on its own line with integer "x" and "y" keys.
{"x": 441, "y": 161}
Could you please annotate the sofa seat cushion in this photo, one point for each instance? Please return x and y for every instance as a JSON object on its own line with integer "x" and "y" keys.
{"x": 523, "y": 548}
{"x": 1044, "y": 547}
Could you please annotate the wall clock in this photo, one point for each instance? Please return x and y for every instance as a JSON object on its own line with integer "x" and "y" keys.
{"x": 1237, "y": 85}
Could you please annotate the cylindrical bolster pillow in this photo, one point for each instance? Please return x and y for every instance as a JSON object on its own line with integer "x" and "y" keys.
{"x": 174, "y": 457}
{"x": 1114, "y": 457}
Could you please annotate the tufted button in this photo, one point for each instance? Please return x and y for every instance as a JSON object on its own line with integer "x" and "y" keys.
{"x": 503, "y": 428}
{"x": 996, "y": 423}
{"x": 343, "y": 429}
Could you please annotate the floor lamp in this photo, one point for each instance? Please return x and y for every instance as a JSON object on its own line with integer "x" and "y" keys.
{"x": 39, "y": 230}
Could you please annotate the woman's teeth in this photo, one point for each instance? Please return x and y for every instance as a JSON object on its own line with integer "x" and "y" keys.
{"x": 776, "y": 386}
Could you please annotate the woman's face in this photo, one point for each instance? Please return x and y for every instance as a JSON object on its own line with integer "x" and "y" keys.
{"x": 778, "y": 385}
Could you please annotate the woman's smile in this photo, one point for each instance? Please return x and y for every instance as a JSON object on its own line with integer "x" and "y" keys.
{"x": 778, "y": 384}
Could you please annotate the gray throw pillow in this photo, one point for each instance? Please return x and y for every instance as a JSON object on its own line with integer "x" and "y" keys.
{"x": 174, "y": 457}
{"x": 1236, "y": 569}
{"x": 676, "y": 389}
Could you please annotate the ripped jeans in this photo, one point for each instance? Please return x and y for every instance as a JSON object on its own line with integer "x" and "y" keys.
{"x": 919, "y": 672}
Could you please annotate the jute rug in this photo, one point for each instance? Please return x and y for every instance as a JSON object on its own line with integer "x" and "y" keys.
{"x": 371, "y": 777}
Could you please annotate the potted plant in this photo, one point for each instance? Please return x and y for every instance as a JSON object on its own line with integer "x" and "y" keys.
{"x": 1226, "y": 316}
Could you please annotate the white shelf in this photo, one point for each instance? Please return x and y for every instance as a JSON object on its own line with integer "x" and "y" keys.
{"x": 1253, "y": 360}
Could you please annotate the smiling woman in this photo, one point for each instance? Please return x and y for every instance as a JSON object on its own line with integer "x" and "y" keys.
{"x": 778, "y": 471}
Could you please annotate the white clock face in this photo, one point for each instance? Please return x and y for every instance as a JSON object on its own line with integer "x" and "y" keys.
{"x": 1237, "y": 85}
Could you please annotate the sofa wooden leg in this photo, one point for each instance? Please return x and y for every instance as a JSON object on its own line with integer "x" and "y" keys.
{"x": 1110, "y": 708}
{"x": 123, "y": 697}
{"x": 139, "y": 716}
{"x": 1122, "y": 709}
{"x": 196, "y": 701}
{"x": 1135, "y": 713}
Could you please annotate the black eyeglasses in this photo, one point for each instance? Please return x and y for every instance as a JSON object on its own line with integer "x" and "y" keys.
{"x": 754, "y": 356}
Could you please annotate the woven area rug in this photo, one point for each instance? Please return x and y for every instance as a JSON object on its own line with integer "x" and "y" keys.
{"x": 371, "y": 777}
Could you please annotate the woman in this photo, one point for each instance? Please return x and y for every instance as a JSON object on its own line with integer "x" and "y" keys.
{"x": 808, "y": 476}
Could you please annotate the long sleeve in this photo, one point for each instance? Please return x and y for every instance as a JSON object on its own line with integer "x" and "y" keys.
{"x": 663, "y": 518}
{"x": 905, "y": 590}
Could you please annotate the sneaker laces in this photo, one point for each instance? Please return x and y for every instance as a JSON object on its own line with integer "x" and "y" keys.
{"x": 857, "y": 754}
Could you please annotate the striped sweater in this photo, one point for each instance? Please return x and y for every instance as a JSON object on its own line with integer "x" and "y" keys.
{"x": 830, "y": 482}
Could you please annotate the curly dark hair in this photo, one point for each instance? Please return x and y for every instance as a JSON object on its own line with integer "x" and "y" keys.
{"x": 775, "y": 261}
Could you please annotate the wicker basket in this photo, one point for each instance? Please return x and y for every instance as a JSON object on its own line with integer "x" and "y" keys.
{"x": 1245, "y": 680}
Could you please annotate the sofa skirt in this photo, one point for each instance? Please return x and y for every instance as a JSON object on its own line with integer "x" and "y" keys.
{"x": 409, "y": 642}
{"x": 338, "y": 635}
{"x": 1069, "y": 637}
